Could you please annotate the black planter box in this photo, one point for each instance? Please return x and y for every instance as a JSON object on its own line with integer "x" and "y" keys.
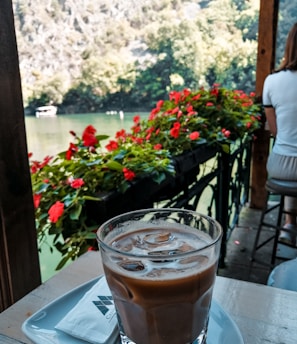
{"x": 144, "y": 192}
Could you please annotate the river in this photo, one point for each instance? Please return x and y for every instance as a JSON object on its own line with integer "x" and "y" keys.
{"x": 50, "y": 135}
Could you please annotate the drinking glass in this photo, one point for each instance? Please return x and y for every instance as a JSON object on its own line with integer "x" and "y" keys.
{"x": 160, "y": 265}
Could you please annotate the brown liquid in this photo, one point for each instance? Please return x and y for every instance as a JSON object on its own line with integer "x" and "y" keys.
{"x": 172, "y": 310}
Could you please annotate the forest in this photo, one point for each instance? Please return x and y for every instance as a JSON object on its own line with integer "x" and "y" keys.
{"x": 92, "y": 56}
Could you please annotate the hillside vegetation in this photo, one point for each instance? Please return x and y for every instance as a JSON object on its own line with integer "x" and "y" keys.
{"x": 86, "y": 55}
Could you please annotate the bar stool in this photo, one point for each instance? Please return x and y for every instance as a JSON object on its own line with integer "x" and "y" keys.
{"x": 279, "y": 188}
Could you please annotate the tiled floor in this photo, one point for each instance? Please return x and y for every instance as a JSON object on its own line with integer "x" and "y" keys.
{"x": 239, "y": 248}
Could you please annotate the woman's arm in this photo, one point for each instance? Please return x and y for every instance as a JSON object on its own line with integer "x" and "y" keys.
{"x": 271, "y": 119}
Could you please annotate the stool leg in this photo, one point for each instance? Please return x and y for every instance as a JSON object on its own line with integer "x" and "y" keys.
{"x": 259, "y": 228}
{"x": 277, "y": 231}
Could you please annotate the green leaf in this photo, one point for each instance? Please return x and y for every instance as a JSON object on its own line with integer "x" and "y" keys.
{"x": 114, "y": 165}
{"x": 90, "y": 235}
{"x": 102, "y": 137}
{"x": 62, "y": 262}
{"x": 90, "y": 198}
{"x": 159, "y": 178}
{"x": 75, "y": 213}
{"x": 225, "y": 148}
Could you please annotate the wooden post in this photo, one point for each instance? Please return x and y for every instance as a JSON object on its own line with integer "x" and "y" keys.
{"x": 265, "y": 64}
{"x": 19, "y": 263}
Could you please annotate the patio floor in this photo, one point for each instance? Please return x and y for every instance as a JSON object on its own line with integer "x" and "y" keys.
{"x": 239, "y": 248}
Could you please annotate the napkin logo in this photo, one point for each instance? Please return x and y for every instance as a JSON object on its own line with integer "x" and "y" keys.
{"x": 104, "y": 304}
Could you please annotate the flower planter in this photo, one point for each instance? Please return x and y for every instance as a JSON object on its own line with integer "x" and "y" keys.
{"x": 144, "y": 192}
{"x": 140, "y": 195}
{"x": 189, "y": 160}
{"x": 187, "y": 167}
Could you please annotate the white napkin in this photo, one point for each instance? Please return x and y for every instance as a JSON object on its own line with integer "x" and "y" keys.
{"x": 93, "y": 318}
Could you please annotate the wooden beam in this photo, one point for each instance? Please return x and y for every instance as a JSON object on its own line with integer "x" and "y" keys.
{"x": 19, "y": 263}
{"x": 268, "y": 19}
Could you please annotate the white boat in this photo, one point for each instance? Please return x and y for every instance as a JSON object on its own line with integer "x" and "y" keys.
{"x": 46, "y": 111}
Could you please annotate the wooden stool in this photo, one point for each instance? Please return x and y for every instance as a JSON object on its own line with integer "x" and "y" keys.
{"x": 281, "y": 188}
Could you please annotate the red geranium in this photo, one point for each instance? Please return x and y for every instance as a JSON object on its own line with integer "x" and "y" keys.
{"x": 174, "y": 132}
{"x": 56, "y": 211}
{"x": 71, "y": 151}
{"x": 77, "y": 183}
{"x": 128, "y": 174}
{"x": 112, "y": 145}
{"x": 88, "y": 136}
{"x": 36, "y": 200}
{"x": 194, "y": 135}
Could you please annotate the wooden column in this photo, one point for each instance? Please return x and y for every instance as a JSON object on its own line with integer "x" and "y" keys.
{"x": 19, "y": 263}
{"x": 265, "y": 64}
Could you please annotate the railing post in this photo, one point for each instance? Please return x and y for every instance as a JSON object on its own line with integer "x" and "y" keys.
{"x": 222, "y": 203}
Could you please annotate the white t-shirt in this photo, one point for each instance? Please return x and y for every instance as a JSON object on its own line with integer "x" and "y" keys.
{"x": 280, "y": 92}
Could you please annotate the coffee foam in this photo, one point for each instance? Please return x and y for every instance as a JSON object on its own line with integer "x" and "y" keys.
{"x": 167, "y": 252}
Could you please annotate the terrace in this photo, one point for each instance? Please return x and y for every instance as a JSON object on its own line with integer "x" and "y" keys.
{"x": 19, "y": 265}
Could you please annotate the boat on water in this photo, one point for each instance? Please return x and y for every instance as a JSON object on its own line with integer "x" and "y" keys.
{"x": 46, "y": 111}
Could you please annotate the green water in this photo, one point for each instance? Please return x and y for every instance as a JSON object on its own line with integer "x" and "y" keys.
{"x": 48, "y": 136}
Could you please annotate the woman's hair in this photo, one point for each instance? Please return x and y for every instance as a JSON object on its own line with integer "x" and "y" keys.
{"x": 289, "y": 61}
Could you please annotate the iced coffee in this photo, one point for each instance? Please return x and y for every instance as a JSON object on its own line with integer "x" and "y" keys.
{"x": 161, "y": 266}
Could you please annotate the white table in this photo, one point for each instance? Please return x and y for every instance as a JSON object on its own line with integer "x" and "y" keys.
{"x": 263, "y": 314}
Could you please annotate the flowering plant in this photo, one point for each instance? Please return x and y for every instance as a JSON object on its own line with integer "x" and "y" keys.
{"x": 188, "y": 118}
{"x": 63, "y": 185}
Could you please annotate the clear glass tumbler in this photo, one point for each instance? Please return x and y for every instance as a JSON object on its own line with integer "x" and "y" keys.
{"x": 160, "y": 265}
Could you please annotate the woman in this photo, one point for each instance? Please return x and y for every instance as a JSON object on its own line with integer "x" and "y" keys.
{"x": 280, "y": 103}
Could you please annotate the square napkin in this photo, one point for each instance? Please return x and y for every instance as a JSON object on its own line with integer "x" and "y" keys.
{"x": 93, "y": 319}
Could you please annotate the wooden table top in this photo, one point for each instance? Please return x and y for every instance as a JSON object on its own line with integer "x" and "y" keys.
{"x": 263, "y": 314}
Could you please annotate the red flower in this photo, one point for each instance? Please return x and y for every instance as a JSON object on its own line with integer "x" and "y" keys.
{"x": 226, "y": 132}
{"x": 36, "y": 200}
{"x": 71, "y": 150}
{"x": 174, "y": 132}
{"x": 56, "y": 211}
{"x": 153, "y": 114}
{"x": 137, "y": 140}
{"x": 186, "y": 92}
{"x": 128, "y": 174}
{"x": 136, "y": 119}
{"x": 45, "y": 161}
{"x": 136, "y": 128}
{"x": 174, "y": 95}
{"x": 159, "y": 104}
{"x": 194, "y": 135}
{"x": 88, "y": 136}
{"x": 158, "y": 146}
{"x": 35, "y": 167}
{"x": 196, "y": 97}
{"x": 121, "y": 134}
{"x": 209, "y": 104}
{"x": 214, "y": 91}
{"x": 112, "y": 145}
{"x": 77, "y": 183}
